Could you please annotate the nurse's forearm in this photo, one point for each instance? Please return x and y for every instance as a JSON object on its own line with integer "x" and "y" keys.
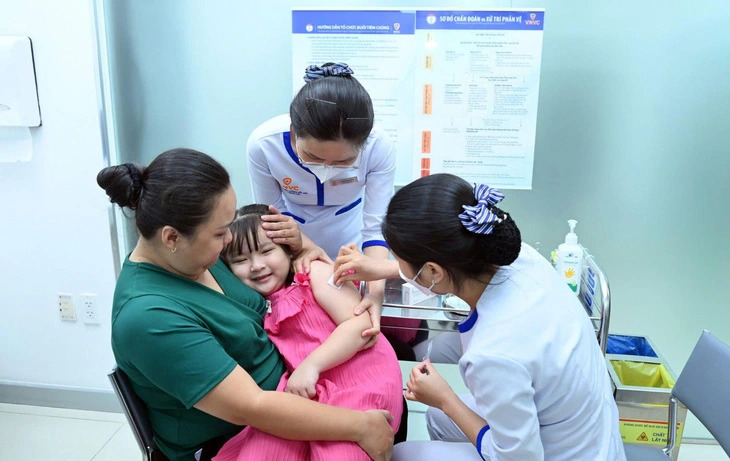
{"x": 469, "y": 422}
{"x": 377, "y": 287}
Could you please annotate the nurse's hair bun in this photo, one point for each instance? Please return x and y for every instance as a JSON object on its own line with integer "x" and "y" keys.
{"x": 502, "y": 246}
{"x": 122, "y": 183}
{"x": 423, "y": 225}
{"x": 328, "y": 69}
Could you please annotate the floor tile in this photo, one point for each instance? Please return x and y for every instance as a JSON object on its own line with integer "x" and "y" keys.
{"x": 696, "y": 452}
{"x": 37, "y": 437}
{"x": 416, "y": 425}
{"x": 70, "y": 435}
{"x": 122, "y": 447}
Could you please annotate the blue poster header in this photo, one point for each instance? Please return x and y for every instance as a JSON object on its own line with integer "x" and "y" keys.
{"x": 353, "y": 22}
{"x": 480, "y": 20}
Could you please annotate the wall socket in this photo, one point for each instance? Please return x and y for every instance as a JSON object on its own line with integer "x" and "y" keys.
{"x": 66, "y": 307}
{"x": 89, "y": 313}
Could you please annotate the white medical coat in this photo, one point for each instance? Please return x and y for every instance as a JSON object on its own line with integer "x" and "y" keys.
{"x": 347, "y": 208}
{"x": 532, "y": 362}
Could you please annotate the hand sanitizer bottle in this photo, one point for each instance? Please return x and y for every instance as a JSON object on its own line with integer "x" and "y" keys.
{"x": 570, "y": 259}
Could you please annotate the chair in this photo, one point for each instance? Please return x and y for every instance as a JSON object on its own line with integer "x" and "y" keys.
{"x": 136, "y": 413}
{"x": 703, "y": 388}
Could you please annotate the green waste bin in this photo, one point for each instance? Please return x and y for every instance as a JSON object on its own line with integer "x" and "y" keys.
{"x": 643, "y": 386}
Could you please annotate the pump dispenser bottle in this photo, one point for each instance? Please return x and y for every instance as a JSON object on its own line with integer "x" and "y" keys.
{"x": 570, "y": 259}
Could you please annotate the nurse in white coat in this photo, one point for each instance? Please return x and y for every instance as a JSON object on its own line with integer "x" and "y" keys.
{"x": 328, "y": 168}
{"x": 538, "y": 384}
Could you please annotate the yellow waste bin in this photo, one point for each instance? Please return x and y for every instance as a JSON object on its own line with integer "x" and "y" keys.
{"x": 643, "y": 385}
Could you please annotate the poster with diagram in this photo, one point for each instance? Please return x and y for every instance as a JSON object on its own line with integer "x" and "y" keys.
{"x": 457, "y": 90}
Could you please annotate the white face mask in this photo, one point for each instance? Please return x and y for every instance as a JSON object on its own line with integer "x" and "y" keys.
{"x": 324, "y": 172}
{"x": 421, "y": 288}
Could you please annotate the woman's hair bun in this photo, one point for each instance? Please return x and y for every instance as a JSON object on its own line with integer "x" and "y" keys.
{"x": 122, "y": 183}
{"x": 503, "y": 245}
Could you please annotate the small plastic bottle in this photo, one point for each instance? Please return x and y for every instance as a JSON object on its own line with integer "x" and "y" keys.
{"x": 570, "y": 259}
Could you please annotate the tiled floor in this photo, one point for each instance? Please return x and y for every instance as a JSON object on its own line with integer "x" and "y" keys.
{"x": 50, "y": 434}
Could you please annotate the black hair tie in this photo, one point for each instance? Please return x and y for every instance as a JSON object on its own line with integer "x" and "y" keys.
{"x": 135, "y": 192}
{"x": 134, "y": 174}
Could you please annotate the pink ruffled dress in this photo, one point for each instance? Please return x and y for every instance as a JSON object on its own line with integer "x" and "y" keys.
{"x": 371, "y": 379}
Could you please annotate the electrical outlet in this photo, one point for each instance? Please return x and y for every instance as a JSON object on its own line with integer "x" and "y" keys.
{"x": 88, "y": 308}
{"x": 66, "y": 307}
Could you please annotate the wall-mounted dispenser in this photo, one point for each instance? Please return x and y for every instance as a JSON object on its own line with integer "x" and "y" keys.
{"x": 18, "y": 91}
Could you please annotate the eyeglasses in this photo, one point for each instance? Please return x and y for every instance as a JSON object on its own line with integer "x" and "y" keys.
{"x": 340, "y": 165}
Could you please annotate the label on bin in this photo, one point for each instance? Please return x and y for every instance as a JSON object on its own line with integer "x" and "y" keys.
{"x": 646, "y": 432}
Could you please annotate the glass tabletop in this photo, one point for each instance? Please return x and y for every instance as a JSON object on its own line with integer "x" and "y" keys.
{"x": 440, "y": 313}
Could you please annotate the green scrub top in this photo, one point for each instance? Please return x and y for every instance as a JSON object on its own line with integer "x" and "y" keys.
{"x": 177, "y": 339}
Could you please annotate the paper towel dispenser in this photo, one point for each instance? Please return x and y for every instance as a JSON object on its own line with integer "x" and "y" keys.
{"x": 18, "y": 91}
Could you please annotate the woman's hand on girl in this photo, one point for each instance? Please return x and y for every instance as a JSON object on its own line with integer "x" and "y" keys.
{"x": 377, "y": 435}
{"x": 374, "y": 305}
{"x": 302, "y": 381}
{"x": 371, "y": 342}
{"x": 303, "y": 260}
{"x": 427, "y": 386}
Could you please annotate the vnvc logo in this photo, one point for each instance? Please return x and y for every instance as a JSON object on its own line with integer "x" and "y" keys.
{"x": 532, "y": 21}
{"x": 287, "y": 184}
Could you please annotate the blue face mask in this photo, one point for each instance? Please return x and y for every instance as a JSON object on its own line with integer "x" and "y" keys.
{"x": 418, "y": 286}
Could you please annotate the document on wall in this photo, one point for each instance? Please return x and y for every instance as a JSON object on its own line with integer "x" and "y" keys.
{"x": 379, "y": 47}
{"x": 457, "y": 90}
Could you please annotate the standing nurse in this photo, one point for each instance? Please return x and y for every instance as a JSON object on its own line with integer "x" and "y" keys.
{"x": 327, "y": 167}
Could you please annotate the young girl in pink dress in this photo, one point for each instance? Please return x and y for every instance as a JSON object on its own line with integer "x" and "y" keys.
{"x": 312, "y": 325}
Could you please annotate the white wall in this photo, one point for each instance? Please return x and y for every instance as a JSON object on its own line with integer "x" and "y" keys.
{"x": 55, "y": 225}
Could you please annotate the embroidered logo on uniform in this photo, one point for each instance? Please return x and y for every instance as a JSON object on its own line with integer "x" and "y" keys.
{"x": 288, "y": 185}
{"x": 290, "y": 188}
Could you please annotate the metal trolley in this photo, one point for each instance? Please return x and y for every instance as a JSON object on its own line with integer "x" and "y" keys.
{"x": 642, "y": 409}
{"x": 595, "y": 295}
{"x": 443, "y": 313}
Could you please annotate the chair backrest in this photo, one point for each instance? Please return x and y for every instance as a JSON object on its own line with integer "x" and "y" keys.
{"x": 704, "y": 387}
{"x": 136, "y": 413}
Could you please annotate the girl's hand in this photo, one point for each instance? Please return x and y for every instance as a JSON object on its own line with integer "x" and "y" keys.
{"x": 374, "y": 305}
{"x": 303, "y": 260}
{"x": 282, "y": 229}
{"x": 302, "y": 381}
{"x": 352, "y": 265}
{"x": 425, "y": 385}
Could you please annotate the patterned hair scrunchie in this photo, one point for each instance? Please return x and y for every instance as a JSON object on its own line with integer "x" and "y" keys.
{"x": 479, "y": 218}
{"x": 326, "y": 70}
